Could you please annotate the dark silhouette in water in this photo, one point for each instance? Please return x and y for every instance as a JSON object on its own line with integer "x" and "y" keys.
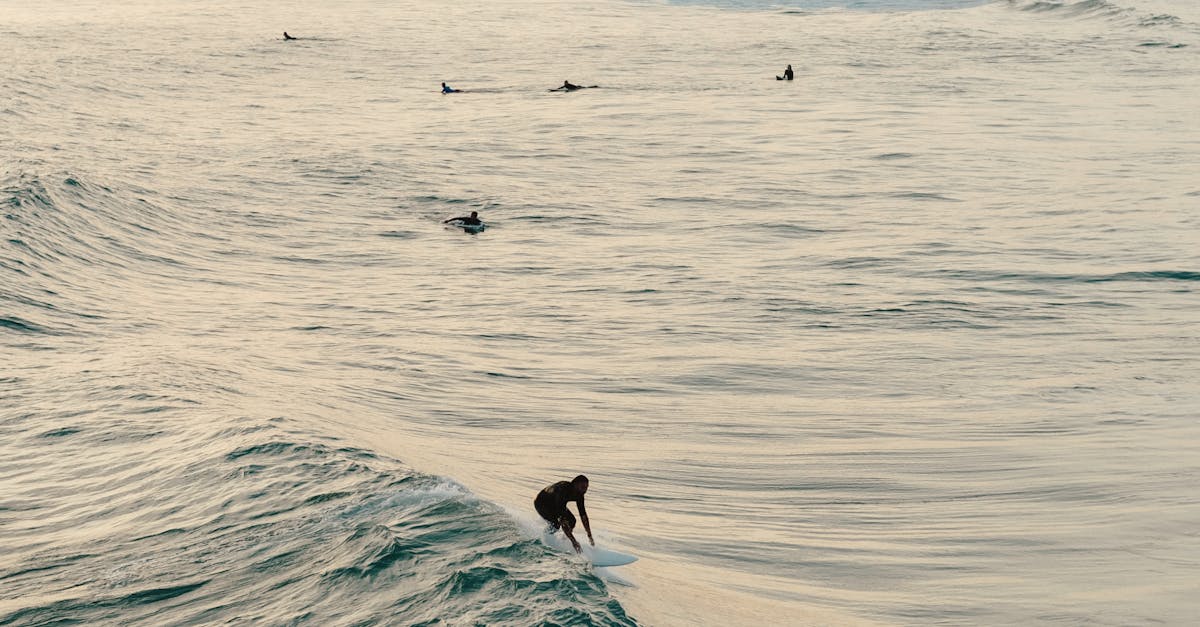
{"x": 471, "y": 220}
{"x": 446, "y": 89}
{"x": 551, "y": 504}
{"x": 567, "y": 86}
{"x": 287, "y": 37}
{"x": 787, "y": 74}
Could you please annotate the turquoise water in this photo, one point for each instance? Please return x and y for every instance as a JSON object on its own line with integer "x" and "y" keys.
{"x": 911, "y": 339}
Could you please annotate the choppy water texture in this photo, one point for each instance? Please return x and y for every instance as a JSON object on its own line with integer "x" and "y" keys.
{"x": 911, "y": 339}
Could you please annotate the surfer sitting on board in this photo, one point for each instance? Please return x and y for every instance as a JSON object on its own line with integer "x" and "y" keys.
{"x": 787, "y": 74}
{"x": 551, "y": 504}
{"x": 471, "y": 220}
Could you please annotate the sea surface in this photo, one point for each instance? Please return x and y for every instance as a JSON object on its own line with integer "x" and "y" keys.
{"x": 913, "y": 339}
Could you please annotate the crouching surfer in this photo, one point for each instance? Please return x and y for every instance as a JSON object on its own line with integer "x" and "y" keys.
{"x": 551, "y": 504}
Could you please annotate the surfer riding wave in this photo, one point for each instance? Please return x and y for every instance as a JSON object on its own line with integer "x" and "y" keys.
{"x": 551, "y": 504}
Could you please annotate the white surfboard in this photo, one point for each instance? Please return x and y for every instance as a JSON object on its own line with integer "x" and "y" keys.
{"x": 468, "y": 228}
{"x": 600, "y": 556}
{"x": 597, "y": 555}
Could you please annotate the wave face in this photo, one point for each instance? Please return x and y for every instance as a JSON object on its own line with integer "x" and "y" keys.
{"x": 919, "y": 324}
{"x": 258, "y": 526}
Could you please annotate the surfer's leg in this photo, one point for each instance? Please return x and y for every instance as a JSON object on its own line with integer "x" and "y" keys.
{"x": 567, "y": 521}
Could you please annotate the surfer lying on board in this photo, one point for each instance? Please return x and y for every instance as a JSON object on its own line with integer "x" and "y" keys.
{"x": 471, "y": 220}
{"x": 287, "y": 37}
{"x": 551, "y": 504}
{"x": 568, "y": 86}
{"x": 446, "y": 89}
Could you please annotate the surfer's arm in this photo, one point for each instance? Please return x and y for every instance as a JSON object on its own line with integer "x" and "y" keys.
{"x": 586, "y": 525}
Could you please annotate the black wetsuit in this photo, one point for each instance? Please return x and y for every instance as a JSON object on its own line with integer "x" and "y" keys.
{"x": 551, "y": 504}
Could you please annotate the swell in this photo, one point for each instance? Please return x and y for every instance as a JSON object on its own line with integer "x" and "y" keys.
{"x": 1135, "y": 276}
{"x": 259, "y": 524}
{"x": 74, "y": 248}
{"x": 1096, "y": 10}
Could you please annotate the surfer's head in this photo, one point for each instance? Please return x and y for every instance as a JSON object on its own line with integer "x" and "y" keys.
{"x": 475, "y": 214}
{"x": 580, "y": 483}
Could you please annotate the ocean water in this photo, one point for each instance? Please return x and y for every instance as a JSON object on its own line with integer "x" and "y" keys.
{"x": 912, "y": 339}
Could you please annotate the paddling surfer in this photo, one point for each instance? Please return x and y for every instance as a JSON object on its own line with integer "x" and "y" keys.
{"x": 551, "y": 504}
{"x": 471, "y": 220}
{"x": 569, "y": 86}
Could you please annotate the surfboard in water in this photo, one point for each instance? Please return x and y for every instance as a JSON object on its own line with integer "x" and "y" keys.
{"x": 600, "y": 556}
{"x": 468, "y": 228}
{"x": 597, "y": 555}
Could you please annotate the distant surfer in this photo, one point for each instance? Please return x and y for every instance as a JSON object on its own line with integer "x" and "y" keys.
{"x": 446, "y": 89}
{"x": 568, "y": 86}
{"x": 287, "y": 37}
{"x": 471, "y": 220}
{"x": 787, "y": 74}
{"x": 551, "y": 504}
